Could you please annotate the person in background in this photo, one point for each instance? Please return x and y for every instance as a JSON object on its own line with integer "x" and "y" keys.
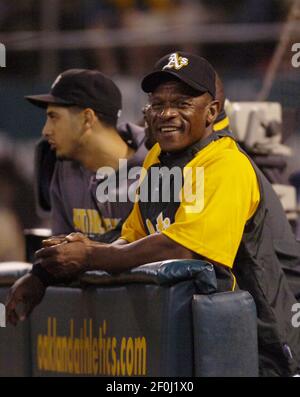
{"x": 82, "y": 107}
{"x": 67, "y": 161}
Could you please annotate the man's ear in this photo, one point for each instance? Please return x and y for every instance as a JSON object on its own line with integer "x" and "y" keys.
{"x": 212, "y": 112}
{"x": 89, "y": 118}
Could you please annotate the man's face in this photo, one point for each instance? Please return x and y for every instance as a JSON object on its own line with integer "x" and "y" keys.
{"x": 63, "y": 130}
{"x": 177, "y": 118}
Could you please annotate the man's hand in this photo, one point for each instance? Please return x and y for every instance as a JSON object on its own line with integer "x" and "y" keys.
{"x": 54, "y": 240}
{"x": 61, "y": 238}
{"x": 27, "y": 291}
{"x": 72, "y": 237}
{"x": 68, "y": 259}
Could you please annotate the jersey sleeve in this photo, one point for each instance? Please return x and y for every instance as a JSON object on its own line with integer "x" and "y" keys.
{"x": 226, "y": 196}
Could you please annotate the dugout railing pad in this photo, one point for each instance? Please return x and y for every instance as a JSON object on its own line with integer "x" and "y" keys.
{"x": 159, "y": 319}
{"x": 15, "y": 350}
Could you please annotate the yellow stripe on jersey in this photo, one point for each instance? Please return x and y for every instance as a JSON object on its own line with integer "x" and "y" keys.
{"x": 221, "y": 125}
{"x": 234, "y": 281}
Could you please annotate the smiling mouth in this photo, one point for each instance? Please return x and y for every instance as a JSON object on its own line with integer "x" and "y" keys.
{"x": 169, "y": 130}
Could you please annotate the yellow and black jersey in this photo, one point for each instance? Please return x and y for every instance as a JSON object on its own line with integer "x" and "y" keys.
{"x": 208, "y": 211}
{"x": 238, "y": 222}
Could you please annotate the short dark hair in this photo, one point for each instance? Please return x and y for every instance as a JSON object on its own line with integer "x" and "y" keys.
{"x": 109, "y": 121}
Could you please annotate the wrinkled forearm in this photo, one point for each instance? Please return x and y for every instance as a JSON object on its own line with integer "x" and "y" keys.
{"x": 115, "y": 258}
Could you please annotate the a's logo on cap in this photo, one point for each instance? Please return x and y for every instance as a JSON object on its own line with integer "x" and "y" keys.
{"x": 176, "y": 62}
{"x": 56, "y": 81}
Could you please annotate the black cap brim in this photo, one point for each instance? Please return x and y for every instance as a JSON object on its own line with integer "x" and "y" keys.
{"x": 43, "y": 101}
{"x": 152, "y": 80}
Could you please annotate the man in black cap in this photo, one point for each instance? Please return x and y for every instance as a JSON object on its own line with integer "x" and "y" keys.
{"x": 76, "y": 90}
{"x": 82, "y": 107}
{"x": 87, "y": 93}
{"x": 222, "y": 212}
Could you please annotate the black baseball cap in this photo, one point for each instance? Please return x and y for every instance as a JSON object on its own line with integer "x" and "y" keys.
{"x": 84, "y": 88}
{"x": 192, "y": 69}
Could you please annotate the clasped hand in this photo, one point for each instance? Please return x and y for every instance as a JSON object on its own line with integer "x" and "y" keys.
{"x": 65, "y": 256}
